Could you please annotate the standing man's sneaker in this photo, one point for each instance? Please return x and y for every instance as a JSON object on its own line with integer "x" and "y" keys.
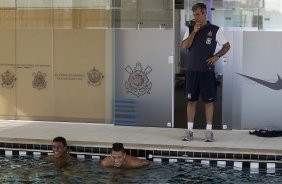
{"x": 188, "y": 136}
{"x": 209, "y": 136}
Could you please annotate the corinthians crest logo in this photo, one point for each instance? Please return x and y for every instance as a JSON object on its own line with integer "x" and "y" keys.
{"x": 94, "y": 77}
{"x": 138, "y": 82}
{"x": 39, "y": 81}
{"x": 8, "y": 79}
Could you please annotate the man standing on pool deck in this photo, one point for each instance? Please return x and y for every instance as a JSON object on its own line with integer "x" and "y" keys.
{"x": 201, "y": 40}
{"x": 120, "y": 159}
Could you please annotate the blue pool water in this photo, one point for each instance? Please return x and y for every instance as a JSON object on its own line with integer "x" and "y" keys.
{"x": 32, "y": 170}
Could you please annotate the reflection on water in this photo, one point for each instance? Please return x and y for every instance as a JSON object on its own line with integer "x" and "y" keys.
{"x": 32, "y": 170}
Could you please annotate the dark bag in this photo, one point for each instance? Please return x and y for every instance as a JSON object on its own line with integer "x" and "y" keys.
{"x": 267, "y": 133}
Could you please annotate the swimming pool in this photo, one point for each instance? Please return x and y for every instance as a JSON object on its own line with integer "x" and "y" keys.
{"x": 34, "y": 170}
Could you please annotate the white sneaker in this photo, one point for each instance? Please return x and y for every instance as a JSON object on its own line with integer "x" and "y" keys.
{"x": 188, "y": 136}
{"x": 209, "y": 136}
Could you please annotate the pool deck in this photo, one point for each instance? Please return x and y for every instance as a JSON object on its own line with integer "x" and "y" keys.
{"x": 91, "y": 134}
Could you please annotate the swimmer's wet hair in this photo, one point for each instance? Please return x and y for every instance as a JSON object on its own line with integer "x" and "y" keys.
{"x": 118, "y": 147}
{"x": 60, "y": 139}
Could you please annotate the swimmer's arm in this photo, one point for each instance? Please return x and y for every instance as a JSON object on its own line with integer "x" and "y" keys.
{"x": 69, "y": 157}
{"x": 145, "y": 162}
{"x": 52, "y": 158}
{"x": 136, "y": 162}
{"x": 106, "y": 162}
{"x": 48, "y": 158}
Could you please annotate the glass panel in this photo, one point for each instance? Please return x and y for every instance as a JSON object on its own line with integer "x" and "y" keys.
{"x": 143, "y": 70}
{"x": 34, "y": 59}
{"x": 79, "y": 74}
{"x": 81, "y": 18}
{"x": 8, "y": 3}
{"x": 82, "y": 60}
{"x": 60, "y": 52}
{"x": 271, "y": 15}
{"x": 246, "y": 24}
{"x": 126, "y": 14}
{"x": 34, "y": 3}
{"x": 77, "y": 14}
{"x": 243, "y": 19}
{"x": 156, "y": 14}
{"x": 258, "y": 86}
{"x": 8, "y": 89}
{"x": 143, "y": 14}
{"x": 143, "y": 77}
{"x": 92, "y": 4}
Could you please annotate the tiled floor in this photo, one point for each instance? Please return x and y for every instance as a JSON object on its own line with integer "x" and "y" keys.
{"x": 86, "y": 134}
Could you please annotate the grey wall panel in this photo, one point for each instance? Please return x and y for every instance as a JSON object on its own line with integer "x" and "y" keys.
{"x": 236, "y": 87}
{"x": 249, "y": 103}
{"x": 227, "y": 93}
{"x": 261, "y": 105}
{"x": 150, "y": 50}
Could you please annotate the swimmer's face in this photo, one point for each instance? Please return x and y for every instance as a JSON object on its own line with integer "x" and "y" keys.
{"x": 58, "y": 149}
{"x": 118, "y": 158}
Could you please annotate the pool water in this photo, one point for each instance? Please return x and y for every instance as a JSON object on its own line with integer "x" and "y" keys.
{"x": 34, "y": 170}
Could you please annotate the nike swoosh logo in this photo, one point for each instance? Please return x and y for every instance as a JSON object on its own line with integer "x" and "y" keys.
{"x": 275, "y": 86}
